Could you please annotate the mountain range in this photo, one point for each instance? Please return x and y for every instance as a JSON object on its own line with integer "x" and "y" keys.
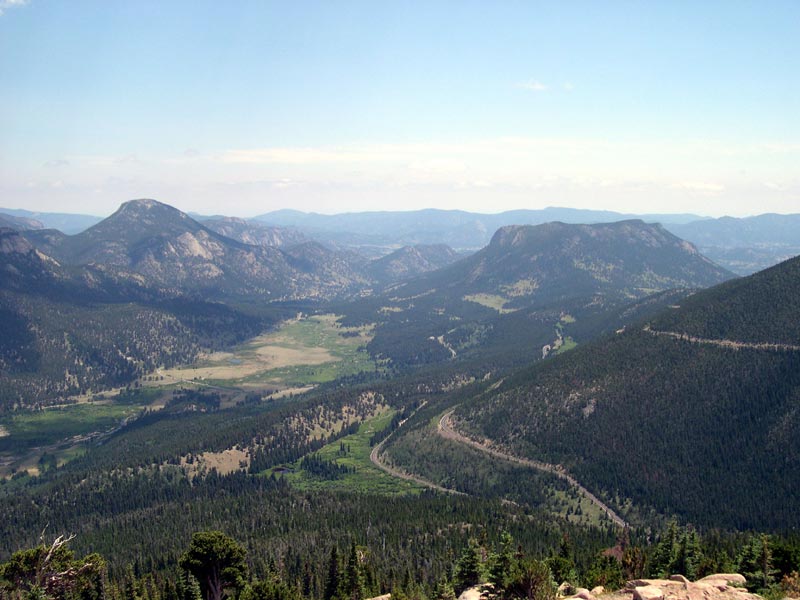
{"x": 429, "y": 304}
{"x": 742, "y": 245}
{"x": 560, "y": 381}
{"x": 532, "y": 286}
{"x": 164, "y": 247}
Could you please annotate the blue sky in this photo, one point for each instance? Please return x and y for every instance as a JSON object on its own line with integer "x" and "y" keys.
{"x": 245, "y": 107}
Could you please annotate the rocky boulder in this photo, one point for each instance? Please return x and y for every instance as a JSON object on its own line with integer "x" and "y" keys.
{"x": 721, "y": 586}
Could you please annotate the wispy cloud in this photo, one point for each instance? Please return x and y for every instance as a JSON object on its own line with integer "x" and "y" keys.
{"x": 56, "y": 162}
{"x": 6, "y": 4}
{"x": 298, "y": 156}
{"x": 703, "y": 187}
{"x": 671, "y": 174}
{"x": 533, "y": 85}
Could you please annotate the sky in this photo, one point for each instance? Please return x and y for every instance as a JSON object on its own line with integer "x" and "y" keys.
{"x": 241, "y": 108}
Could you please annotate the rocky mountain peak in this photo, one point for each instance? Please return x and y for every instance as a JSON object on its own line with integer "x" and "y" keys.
{"x": 148, "y": 211}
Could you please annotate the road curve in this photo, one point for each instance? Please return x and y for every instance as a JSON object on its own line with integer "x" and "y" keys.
{"x": 446, "y": 430}
{"x": 723, "y": 343}
{"x": 374, "y": 456}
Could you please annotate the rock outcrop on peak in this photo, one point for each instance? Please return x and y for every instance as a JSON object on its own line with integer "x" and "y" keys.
{"x": 167, "y": 249}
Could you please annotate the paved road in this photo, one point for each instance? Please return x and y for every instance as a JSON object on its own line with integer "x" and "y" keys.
{"x": 446, "y": 430}
{"x": 723, "y": 343}
{"x": 375, "y": 457}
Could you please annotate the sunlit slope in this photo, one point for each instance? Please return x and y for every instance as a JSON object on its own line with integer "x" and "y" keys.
{"x": 696, "y": 413}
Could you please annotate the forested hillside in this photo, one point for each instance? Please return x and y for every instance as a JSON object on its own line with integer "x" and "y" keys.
{"x": 532, "y": 287}
{"x": 68, "y": 331}
{"x": 694, "y": 413}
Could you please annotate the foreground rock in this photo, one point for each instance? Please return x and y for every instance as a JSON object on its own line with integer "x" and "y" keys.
{"x": 721, "y": 586}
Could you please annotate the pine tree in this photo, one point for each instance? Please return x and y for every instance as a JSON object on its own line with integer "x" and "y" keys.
{"x": 217, "y": 562}
{"x": 191, "y": 589}
{"x": 501, "y": 562}
{"x": 755, "y": 563}
{"x": 352, "y": 585}
{"x": 532, "y": 580}
{"x": 332, "y": 582}
{"x": 468, "y": 569}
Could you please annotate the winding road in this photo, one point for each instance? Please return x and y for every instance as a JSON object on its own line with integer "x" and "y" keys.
{"x": 733, "y": 344}
{"x": 446, "y": 430}
{"x": 375, "y": 458}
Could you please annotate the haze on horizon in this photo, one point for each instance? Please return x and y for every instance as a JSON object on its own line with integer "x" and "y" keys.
{"x": 248, "y": 107}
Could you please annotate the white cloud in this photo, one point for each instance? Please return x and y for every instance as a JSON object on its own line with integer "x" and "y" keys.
{"x": 702, "y": 187}
{"x": 6, "y": 4}
{"x": 295, "y": 156}
{"x": 493, "y": 173}
{"x": 56, "y": 162}
{"x": 533, "y": 85}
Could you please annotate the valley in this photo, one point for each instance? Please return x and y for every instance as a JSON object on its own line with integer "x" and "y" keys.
{"x": 291, "y": 360}
{"x": 305, "y": 351}
{"x": 399, "y": 300}
{"x": 565, "y": 380}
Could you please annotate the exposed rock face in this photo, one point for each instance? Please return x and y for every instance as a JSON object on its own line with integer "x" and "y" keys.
{"x": 721, "y": 586}
{"x": 12, "y": 242}
{"x": 163, "y": 247}
{"x": 648, "y": 592}
{"x": 255, "y": 234}
{"x": 732, "y": 578}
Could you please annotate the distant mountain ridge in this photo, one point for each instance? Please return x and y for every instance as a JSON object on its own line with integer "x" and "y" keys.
{"x": 745, "y": 245}
{"x": 19, "y": 223}
{"x": 254, "y": 233}
{"x": 410, "y": 261}
{"x": 151, "y": 240}
{"x": 460, "y": 229}
{"x": 557, "y": 261}
{"x": 742, "y": 245}
{"x": 532, "y": 286}
{"x": 68, "y": 223}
